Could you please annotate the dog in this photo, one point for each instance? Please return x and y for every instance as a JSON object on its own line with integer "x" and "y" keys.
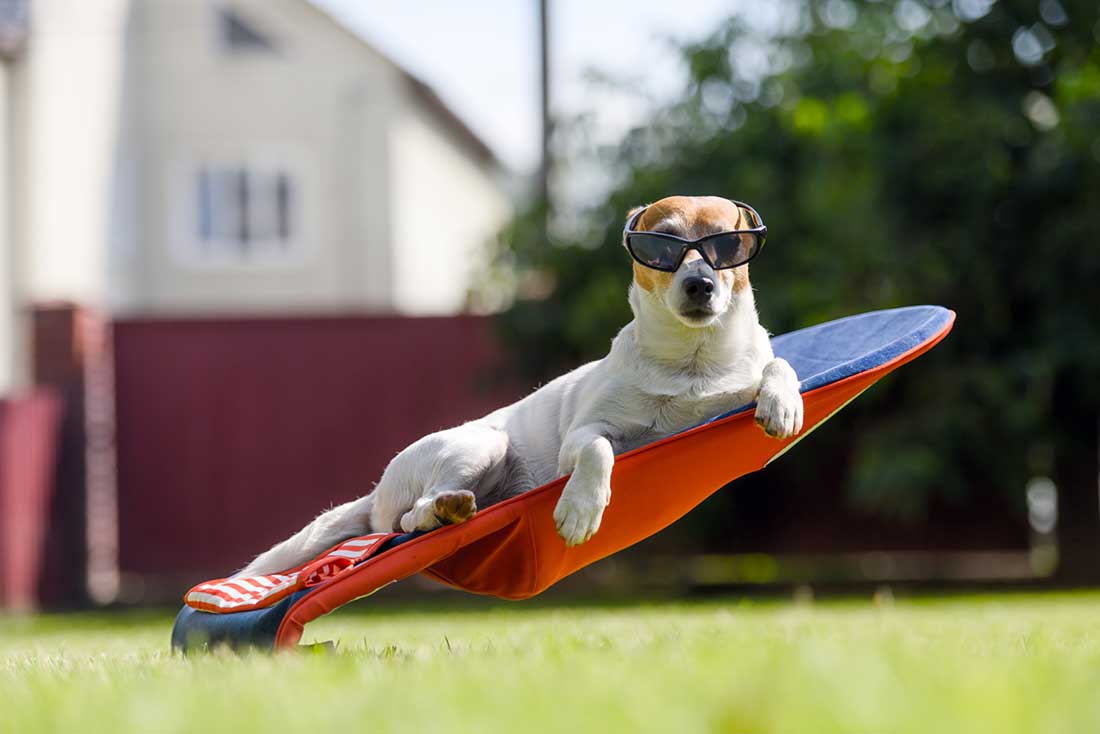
{"x": 695, "y": 349}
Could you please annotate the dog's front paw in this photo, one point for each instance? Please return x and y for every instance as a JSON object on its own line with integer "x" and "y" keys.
{"x": 779, "y": 412}
{"x": 577, "y": 517}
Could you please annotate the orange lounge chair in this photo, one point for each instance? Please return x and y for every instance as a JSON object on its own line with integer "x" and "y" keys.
{"x": 512, "y": 550}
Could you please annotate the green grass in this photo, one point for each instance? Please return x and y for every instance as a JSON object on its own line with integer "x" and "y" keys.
{"x": 974, "y": 664}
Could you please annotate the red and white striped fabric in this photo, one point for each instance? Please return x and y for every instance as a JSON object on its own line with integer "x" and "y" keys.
{"x": 222, "y": 596}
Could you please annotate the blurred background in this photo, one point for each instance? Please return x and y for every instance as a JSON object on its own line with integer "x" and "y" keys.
{"x": 250, "y": 249}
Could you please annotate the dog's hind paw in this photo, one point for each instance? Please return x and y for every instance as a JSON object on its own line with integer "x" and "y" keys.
{"x": 454, "y": 507}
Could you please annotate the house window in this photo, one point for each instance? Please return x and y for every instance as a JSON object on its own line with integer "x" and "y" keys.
{"x": 238, "y": 34}
{"x": 246, "y": 214}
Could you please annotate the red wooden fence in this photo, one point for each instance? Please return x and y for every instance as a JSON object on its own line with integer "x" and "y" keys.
{"x": 232, "y": 434}
{"x": 28, "y": 442}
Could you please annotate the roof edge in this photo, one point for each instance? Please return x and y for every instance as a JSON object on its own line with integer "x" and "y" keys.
{"x": 423, "y": 92}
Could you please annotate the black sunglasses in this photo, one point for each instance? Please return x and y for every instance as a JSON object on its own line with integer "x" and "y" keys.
{"x": 721, "y": 251}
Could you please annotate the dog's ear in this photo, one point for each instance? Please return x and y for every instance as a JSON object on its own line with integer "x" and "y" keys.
{"x": 630, "y": 215}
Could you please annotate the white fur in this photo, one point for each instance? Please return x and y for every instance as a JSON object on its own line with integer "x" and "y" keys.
{"x": 664, "y": 373}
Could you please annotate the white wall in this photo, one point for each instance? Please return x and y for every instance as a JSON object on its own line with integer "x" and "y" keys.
{"x": 8, "y": 342}
{"x": 68, "y": 135}
{"x": 125, "y": 98}
{"x": 446, "y": 209}
{"x": 382, "y": 178}
{"x": 319, "y": 102}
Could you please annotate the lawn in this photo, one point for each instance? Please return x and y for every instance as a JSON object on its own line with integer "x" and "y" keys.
{"x": 1021, "y": 663}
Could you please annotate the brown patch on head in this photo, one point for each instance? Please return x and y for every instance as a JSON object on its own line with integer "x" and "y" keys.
{"x": 736, "y": 278}
{"x": 649, "y": 279}
{"x": 690, "y": 217}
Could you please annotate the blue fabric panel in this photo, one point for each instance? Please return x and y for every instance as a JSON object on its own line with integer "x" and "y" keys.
{"x": 195, "y": 629}
{"x": 828, "y": 352}
{"x": 820, "y": 355}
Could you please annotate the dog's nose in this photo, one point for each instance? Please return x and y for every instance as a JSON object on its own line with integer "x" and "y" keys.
{"x": 698, "y": 288}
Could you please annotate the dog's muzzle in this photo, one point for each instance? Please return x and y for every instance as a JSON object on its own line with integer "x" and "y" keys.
{"x": 698, "y": 290}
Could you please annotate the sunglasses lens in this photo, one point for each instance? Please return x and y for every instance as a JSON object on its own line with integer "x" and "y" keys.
{"x": 655, "y": 252}
{"x": 730, "y": 250}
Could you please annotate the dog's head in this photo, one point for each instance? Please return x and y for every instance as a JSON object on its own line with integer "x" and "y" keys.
{"x": 696, "y": 293}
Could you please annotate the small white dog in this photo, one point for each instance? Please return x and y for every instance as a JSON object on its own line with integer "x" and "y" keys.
{"x": 695, "y": 349}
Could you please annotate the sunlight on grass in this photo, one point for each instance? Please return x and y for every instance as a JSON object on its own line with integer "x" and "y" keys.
{"x": 1005, "y": 664}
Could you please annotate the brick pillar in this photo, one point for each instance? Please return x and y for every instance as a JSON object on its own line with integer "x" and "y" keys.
{"x": 70, "y": 353}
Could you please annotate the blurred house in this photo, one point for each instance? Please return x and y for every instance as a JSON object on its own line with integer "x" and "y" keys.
{"x": 241, "y": 156}
{"x": 228, "y": 182}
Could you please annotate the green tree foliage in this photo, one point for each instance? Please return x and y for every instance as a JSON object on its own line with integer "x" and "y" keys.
{"x": 900, "y": 153}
